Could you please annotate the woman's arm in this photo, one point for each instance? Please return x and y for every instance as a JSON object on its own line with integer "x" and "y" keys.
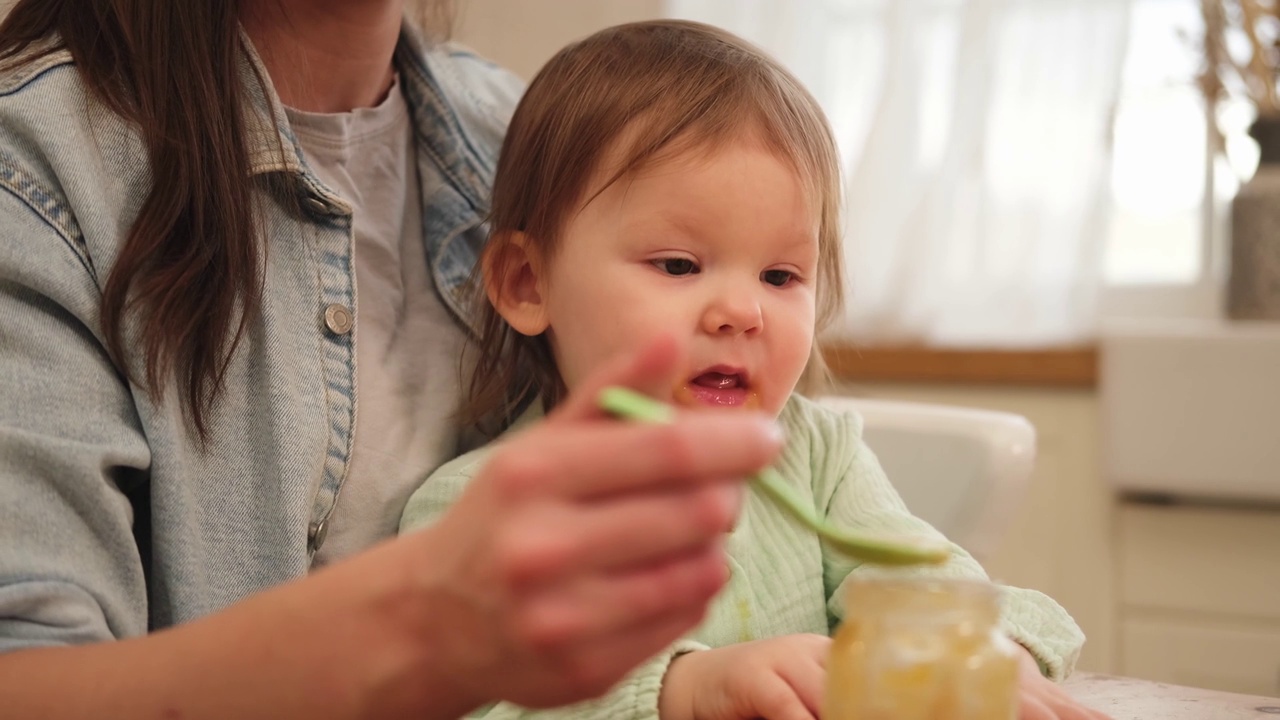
{"x": 583, "y": 548}
{"x": 331, "y": 646}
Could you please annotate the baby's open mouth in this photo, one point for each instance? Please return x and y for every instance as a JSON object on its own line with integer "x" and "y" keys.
{"x": 719, "y": 381}
{"x": 717, "y": 387}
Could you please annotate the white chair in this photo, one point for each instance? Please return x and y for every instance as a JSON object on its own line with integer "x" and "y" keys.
{"x": 961, "y": 469}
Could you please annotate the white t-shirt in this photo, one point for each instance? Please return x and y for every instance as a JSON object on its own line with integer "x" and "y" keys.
{"x": 408, "y": 346}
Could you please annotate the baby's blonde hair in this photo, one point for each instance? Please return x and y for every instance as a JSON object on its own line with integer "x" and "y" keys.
{"x": 636, "y": 94}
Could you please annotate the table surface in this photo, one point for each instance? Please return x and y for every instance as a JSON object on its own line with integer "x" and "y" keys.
{"x": 1126, "y": 698}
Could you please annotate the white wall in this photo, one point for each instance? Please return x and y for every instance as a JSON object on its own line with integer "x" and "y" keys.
{"x": 523, "y": 34}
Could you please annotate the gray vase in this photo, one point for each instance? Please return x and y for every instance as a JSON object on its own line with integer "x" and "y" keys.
{"x": 1253, "y": 285}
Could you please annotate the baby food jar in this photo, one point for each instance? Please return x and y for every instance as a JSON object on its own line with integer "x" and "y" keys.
{"x": 916, "y": 649}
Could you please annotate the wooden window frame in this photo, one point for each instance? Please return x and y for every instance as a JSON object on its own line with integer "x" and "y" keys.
{"x": 1065, "y": 367}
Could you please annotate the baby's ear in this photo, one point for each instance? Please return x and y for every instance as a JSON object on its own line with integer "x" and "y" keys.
{"x": 513, "y": 269}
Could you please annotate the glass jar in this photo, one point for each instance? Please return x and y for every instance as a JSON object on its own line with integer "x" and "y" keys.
{"x": 921, "y": 650}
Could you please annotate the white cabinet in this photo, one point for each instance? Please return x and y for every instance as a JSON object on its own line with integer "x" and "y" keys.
{"x": 1190, "y": 409}
{"x": 1241, "y": 657}
{"x": 1200, "y": 596}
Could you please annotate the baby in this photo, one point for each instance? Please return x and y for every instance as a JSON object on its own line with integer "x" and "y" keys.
{"x": 667, "y": 178}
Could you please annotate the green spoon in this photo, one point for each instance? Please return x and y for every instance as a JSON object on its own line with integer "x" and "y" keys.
{"x": 630, "y": 405}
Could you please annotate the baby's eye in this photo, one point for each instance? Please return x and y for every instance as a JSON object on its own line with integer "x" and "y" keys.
{"x": 676, "y": 266}
{"x": 777, "y": 278}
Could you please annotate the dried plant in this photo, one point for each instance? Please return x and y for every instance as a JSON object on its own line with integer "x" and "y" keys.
{"x": 1251, "y": 23}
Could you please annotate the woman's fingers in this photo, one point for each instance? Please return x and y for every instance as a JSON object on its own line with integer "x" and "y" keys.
{"x": 600, "y": 459}
{"x": 596, "y": 606}
{"x": 555, "y": 540}
{"x": 593, "y": 666}
{"x": 584, "y": 546}
{"x": 652, "y": 370}
{"x": 716, "y": 444}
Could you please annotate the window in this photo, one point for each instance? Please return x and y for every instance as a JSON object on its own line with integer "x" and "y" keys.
{"x": 1171, "y": 188}
{"x": 986, "y": 208}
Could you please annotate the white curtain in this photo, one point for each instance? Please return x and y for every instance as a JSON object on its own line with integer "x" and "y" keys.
{"x": 975, "y": 135}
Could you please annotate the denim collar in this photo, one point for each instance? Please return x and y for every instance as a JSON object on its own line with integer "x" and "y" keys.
{"x": 272, "y": 146}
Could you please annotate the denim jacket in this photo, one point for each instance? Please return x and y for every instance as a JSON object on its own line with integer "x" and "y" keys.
{"x": 114, "y": 519}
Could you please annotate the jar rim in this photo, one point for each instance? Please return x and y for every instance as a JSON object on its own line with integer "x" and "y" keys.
{"x": 921, "y": 594}
{"x": 967, "y": 586}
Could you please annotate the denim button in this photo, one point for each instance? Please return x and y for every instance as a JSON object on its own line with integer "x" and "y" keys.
{"x": 338, "y": 319}
{"x": 317, "y": 206}
{"x": 316, "y": 533}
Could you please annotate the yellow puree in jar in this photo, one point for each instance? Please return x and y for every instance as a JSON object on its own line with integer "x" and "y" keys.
{"x": 921, "y": 650}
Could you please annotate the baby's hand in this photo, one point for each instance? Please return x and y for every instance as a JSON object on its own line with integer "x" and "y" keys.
{"x": 1042, "y": 699}
{"x": 779, "y": 679}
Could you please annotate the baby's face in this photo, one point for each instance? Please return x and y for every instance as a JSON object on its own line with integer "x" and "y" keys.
{"x": 719, "y": 249}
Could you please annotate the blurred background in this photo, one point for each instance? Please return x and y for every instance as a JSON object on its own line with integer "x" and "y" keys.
{"x": 1056, "y": 211}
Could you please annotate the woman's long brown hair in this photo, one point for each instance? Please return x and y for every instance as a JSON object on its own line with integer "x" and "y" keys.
{"x": 189, "y": 269}
{"x": 189, "y": 266}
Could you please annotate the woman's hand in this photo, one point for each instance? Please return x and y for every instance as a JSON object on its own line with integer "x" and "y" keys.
{"x": 780, "y": 678}
{"x": 586, "y": 545}
{"x": 1043, "y": 699}
{"x": 584, "y": 548}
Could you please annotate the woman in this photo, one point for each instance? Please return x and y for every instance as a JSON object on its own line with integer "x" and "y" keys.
{"x": 197, "y": 198}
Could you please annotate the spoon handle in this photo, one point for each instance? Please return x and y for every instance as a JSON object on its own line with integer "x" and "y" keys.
{"x": 630, "y": 405}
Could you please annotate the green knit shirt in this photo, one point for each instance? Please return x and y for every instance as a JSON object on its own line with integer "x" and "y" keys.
{"x": 782, "y": 579}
